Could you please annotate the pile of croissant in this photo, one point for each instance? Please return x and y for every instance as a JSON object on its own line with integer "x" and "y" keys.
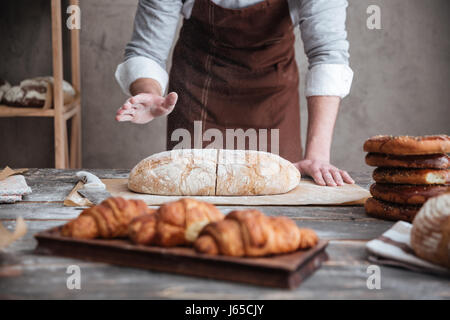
{"x": 188, "y": 222}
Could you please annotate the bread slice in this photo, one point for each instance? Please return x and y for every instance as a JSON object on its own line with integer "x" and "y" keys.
{"x": 248, "y": 172}
{"x": 206, "y": 172}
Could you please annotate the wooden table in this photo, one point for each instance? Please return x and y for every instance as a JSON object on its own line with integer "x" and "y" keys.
{"x": 24, "y": 274}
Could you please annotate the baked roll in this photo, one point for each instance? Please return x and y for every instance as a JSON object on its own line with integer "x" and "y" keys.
{"x": 428, "y": 161}
{"x": 411, "y": 176}
{"x": 390, "y": 211}
{"x": 430, "y": 233}
{"x": 109, "y": 219}
{"x": 408, "y": 145}
{"x": 173, "y": 224}
{"x": 407, "y": 194}
{"x": 251, "y": 233}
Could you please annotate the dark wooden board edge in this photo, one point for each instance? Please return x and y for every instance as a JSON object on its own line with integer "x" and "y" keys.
{"x": 200, "y": 265}
{"x": 288, "y": 262}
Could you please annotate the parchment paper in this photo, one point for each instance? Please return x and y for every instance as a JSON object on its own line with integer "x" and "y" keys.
{"x": 74, "y": 199}
{"x": 307, "y": 193}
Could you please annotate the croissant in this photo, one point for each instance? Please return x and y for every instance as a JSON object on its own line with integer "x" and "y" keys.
{"x": 251, "y": 233}
{"x": 109, "y": 219}
{"x": 174, "y": 223}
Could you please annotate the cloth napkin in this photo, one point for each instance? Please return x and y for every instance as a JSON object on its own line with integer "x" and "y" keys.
{"x": 12, "y": 188}
{"x": 393, "y": 248}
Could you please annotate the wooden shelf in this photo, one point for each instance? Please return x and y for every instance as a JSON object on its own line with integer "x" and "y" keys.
{"x": 6, "y": 111}
{"x": 68, "y": 110}
{"x": 60, "y": 112}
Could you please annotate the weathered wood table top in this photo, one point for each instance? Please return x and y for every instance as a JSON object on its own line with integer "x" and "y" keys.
{"x": 24, "y": 274}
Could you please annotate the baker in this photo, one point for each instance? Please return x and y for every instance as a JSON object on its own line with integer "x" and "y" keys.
{"x": 234, "y": 66}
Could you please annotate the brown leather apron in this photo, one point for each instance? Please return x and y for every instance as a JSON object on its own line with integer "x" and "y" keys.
{"x": 236, "y": 69}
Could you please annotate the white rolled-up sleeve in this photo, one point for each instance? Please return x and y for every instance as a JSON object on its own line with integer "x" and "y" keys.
{"x": 329, "y": 80}
{"x": 146, "y": 54}
{"x": 140, "y": 67}
{"x": 324, "y": 35}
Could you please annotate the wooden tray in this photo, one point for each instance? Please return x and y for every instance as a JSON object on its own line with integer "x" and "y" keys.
{"x": 283, "y": 271}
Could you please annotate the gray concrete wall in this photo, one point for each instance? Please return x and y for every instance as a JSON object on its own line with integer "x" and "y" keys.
{"x": 400, "y": 86}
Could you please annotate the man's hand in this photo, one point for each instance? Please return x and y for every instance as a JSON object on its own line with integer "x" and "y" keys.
{"x": 147, "y": 102}
{"x": 324, "y": 173}
{"x": 144, "y": 107}
{"x": 322, "y": 112}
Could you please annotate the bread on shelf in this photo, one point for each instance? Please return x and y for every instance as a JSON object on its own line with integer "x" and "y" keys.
{"x": 36, "y": 93}
{"x": 4, "y": 86}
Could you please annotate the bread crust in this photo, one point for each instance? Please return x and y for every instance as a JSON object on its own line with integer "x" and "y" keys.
{"x": 408, "y": 145}
{"x": 107, "y": 220}
{"x": 432, "y": 161}
{"x": 411, "y": 176}
{"x": 248, "y": 172}
{"x": 430, "y": 233}
{"x": 175, "y": 223}
{"x": 407, "y": 194}
{"x": 177, "y": 172}
{"x": 390, "y": 211}
{"x": 36, "y": 93}
{"x": 214, "y": 172}
{"x": 251, "y": 233}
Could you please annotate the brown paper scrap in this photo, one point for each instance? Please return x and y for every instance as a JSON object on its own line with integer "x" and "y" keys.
{"x": 5, "y": 173}
{"x": 74, "y": 199}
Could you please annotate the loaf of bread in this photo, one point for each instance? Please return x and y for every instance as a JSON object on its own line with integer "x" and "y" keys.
{"x": 175, "y": 223}
{"x": 213, "y": 172}
{"x": 109, "y": 219}
{"x": 251, "y": 233}
{"x": 36, "y": 93}
{"x": 430, "y": 234}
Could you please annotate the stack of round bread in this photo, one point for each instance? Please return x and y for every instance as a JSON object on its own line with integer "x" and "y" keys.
{"x": 410, "y": 170}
